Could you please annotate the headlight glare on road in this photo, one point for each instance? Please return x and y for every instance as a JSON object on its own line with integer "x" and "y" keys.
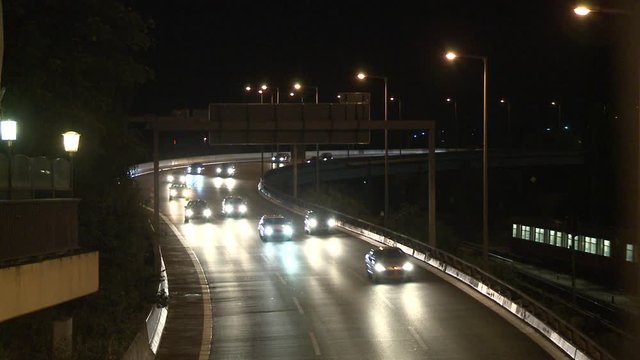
{"x": 268, "y": 231}
{"x": 407, "y": 266}
{"x": 331, "y": 222}
{"x": 183, "y": 179}
{"x": 379, "y": 267}
{"x": 313, "y": 223}
{"x": 228, "y": 208}
{"x": 173, "y": 192}
{"x": 170, "y": 178}
{"x": 207, "y": 213}
{"x": 189, "y": 213}
{"x": 243, "y": 209}
{"x": 288, "y": 230}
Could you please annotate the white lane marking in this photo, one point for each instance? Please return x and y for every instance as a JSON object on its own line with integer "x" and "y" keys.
{"x": 387, "y": 302}
{"x": 314, "y": 342}
{"x": 295, "y": 300}
{"x": 416, "y": 336}
{"x": 282, "y": 280}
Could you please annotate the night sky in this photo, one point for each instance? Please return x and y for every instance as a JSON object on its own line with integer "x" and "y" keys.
{"x": 539, "y": 51}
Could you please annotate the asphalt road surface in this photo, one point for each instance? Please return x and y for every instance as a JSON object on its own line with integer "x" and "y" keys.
{"x": 310, "y": 298}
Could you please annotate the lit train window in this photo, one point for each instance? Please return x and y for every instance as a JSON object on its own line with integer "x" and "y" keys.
{"x": 514, "y": 230}
{"x": 590, "y": 245}
{"x": 606, "y": 248}
{"x": 526, "y": 232}
{"x": 629, "y": 255}
{"x": 539, "y": 235}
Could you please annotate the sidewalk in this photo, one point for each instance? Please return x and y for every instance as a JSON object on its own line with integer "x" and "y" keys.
{"x": 187, "y": 333}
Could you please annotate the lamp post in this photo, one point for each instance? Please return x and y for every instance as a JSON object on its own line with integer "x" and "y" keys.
{"x": 363, "y": 76}
{"x": 397, "y": 99}
{"x": 451, "y": 56}
{"x": 455, "y": 119}
{"x": 507, "y": 103}
{"x": 71, "y": 140}
{"x": 8, "y": 133}
{"x": 298, "y": 87}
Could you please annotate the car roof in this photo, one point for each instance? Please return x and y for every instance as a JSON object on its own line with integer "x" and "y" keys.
{"x": 178, "y": 185}
{"x": 233, "y": 198}
{"x": 196, "y": 202}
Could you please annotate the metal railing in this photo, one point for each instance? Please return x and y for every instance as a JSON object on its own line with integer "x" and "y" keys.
{"x": 575, "y": 344}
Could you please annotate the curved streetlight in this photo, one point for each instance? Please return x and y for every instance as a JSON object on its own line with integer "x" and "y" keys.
{"x": 71, "y": 141}
{"x": 451, "y": 56}
{"x": 299, "y": 87}
{"x": 582, "y": 10}
{"x": 363, "y": 76}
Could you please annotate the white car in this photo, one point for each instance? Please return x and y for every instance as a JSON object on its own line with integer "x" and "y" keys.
{"x": 275, "y": 227}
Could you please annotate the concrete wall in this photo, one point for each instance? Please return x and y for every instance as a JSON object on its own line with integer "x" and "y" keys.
{"x": 34, "y": 286}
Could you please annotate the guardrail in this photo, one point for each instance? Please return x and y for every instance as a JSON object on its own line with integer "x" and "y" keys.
{"x": 574, "y": 343}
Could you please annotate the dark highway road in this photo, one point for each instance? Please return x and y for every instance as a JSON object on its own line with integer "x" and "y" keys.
{"x": 310, "y": 298}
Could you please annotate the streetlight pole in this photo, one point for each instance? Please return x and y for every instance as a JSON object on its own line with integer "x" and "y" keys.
{"x": 508, "y": 104}
{"x": 363, "y": 76}
{"x": 455, "y": 120}
{"x": 71, "y": 140}
{"x": 485, "y": 186}
{"x": 298, "y": 87}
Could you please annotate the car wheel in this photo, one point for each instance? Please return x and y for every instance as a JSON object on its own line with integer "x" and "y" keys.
{"x": 186, "y": 220}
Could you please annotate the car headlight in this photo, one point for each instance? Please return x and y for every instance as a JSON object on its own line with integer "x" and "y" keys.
{"x": 183, "y": 179}
{"x": 288, "y": 230}
{"x": 407, "y": 266}
{"x": 188, "y": 169}
{"x": 170, "y": 178}
{"x": 189, "y": 213}
{"x": 199, "y": 170}
{"x": 313, "y": 223}
{"x": 228, "y": 208}
{"x": 268, "y": 231}
{"x": 231, "y": 171}
{"x": 273, "y": 158}
{"x": 243, "y": 208}
{"x": 281, "y": 159}
{"x": 173, "y": 192}
{"x": 379, "y": 267}
{"x": 218, "y": 170}
{"x": 331, "y": 222}
{"x": 207, "y": 213}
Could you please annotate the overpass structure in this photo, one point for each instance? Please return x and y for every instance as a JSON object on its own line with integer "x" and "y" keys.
{"x": 293, "y": 124}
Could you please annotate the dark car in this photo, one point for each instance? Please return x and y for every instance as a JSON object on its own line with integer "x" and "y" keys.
{"x": 195, "y": 169}
{"x": 225, "y": 170}
{"x": 179, "y": 190}
{"x": 388, "y": 263}
{"x": 318, "y": 221}
{"x": 234, "y": 206}
{"x": 326, "y": 156}
{"x": 275, "y": 227}
{"x": 312, "y": 159}
{"x": 197, "y": 209}
{"x": 281, "y": 158}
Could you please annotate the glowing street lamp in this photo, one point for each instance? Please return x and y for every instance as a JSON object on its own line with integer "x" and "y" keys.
{"x": 71, "y": 141}
{"x": 455, "y": 119}
{"x": 451, "y": 56}
{"x": 9, "y": 133}
{"x": 363, "y": 76}
{"x": 582, "y": 10}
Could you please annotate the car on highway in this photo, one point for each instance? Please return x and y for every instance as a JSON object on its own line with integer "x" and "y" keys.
{"x": 318, "y": 222}
{"x": 388, "y": 263}
{"x": 312, "y": 159}
{"x": 225, "y": 170}
{"x": 234, "y": 206}
{"x": 179, "y": 190}
{"x": 176, "y": 178}
{"x": 195, "y": 169}
{"x": 197, "y": 209}
{"x": 274, "y": 227}
{"x": 326, "y": 156}
{"x": 281, "y": 158}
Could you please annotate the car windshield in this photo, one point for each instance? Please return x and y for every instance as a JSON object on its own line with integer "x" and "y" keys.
{"x": 391, "y": 253}
{"x": 276, "y": 221}
{"x": 233, "y": 201}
